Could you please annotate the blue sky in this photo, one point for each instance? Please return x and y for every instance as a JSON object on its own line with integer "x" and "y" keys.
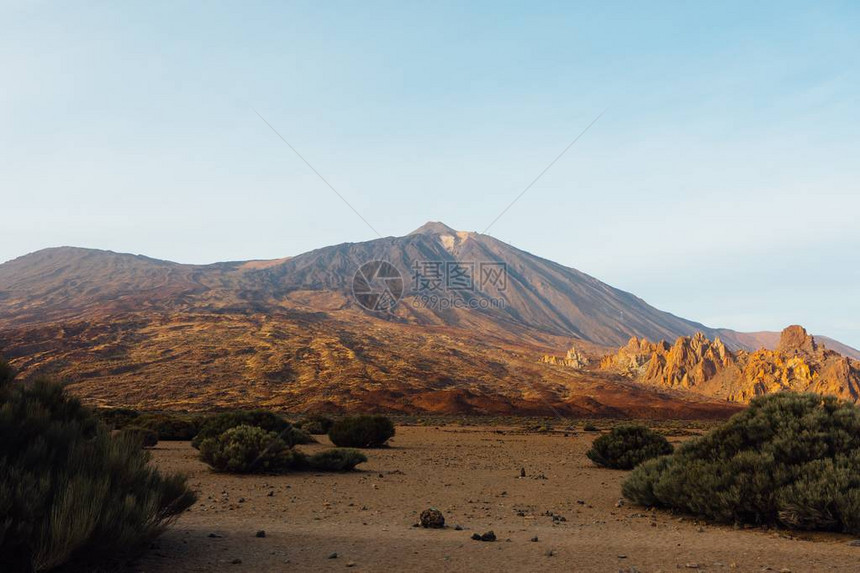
{"x": 722, "y": 183}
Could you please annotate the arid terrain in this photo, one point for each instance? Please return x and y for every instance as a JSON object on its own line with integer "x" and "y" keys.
{"x": 128, "y": 330}
{"x": 473, "y": 475}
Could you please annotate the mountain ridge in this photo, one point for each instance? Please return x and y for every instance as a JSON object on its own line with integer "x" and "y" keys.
{"x": 555, "y": 308}
{"x": 289, "y": 333}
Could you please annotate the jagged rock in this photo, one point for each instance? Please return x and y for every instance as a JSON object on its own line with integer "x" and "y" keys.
{"x": 573, "y": 359}
{"x": 795, "y": 340}
{"x": 695, "y": 363}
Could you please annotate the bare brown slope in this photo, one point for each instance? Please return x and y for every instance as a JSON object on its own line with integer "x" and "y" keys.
{"x": 302, "y": 361}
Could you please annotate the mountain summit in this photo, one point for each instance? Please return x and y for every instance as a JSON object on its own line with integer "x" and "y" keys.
{"x": 434, "y": 228}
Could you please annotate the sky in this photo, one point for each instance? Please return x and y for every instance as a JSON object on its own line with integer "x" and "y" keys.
{"x": 721, "y": 182}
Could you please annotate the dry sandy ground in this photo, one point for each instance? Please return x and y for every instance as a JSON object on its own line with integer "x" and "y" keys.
{"x": 473, "y": 476}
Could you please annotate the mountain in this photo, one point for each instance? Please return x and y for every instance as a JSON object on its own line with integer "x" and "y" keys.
{"x": 538, "y": 295}
{"x": 799, "y": 363}
{"x": 473, "y": 316}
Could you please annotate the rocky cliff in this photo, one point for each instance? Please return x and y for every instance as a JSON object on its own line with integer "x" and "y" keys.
{"x": 798, "y": 364}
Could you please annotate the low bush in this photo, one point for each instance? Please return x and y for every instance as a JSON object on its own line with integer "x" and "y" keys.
{"x": 169, "y": 426}
{"x": 589, "y": 427}
{"x": 316, "y": 424}
{"x": 117, "y": 418}
{"x": 215, "y": 425}
{"x": 144, "y": 436}
{"x": 361, "y": 431}
{"x": 7, "y": 373}
{"x": 249, "y": 449}
{"x": 337, "y": 460}
{"x": 788, "y": 459}
{"x": 69, "y": 489}
{"x": 626, "y": 446}
{"x": 296, "y": 436}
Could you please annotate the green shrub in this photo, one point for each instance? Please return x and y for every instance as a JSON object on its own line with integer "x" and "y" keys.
{"x": 316, "y": 424}
{"x": 788, "y": 459}
{"x": 71, "y": 490}
{"x": 296, "y": 436}
{"x": 215, "y": 425}
{"x": 627, "y": 446}
{"x": 361, "y": 431}
{"x": 117, "y": 418}
{"x": 144, "y": 436}
{"x": 589, "y": 427}
{"x": 249, "y": 449}
{"x": 7, "y": 373}
{"x": 170, "y": 427}
{"x": 337, "y": 460}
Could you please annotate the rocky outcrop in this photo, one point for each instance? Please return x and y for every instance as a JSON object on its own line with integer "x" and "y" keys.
{"x": 573, "y": 359}
{"x": 798, "y": 364}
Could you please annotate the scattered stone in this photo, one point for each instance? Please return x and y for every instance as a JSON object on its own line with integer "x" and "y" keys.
{"x": 619, "y": 503}
{"x": 236, "y": 561}
{"x": 622, "y": 556}
{"x": 692, "y": 565}
{"x": 488, "y": 536}
{"x": 534, "y": 539}
{"x": 458, "y": 528}
{"x": 241, "y": 500}
{"x": 549, "y": 553}
{"x": 333, "y": 555}
{"x": 432, "y": 518}
{"x": 522, "y": 472}
{"x": 271, "y": 493}
{"x": 215, "y": 536}
{"x": 350, "y": 564}
{"x": 854, "y": 543}
{"x": 260, "y": 533}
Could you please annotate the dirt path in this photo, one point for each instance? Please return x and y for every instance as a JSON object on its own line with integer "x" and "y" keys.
{"x": 473, "y": 476}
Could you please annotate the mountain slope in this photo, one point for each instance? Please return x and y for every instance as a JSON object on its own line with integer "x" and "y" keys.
{"x": 539, "y": 296}
{"x": 289, "y": 332}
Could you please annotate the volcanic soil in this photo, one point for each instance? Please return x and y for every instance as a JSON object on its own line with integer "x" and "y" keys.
{"x": 563, "y": 514}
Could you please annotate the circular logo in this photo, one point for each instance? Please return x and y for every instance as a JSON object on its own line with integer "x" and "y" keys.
{"x": 377, "y": 286}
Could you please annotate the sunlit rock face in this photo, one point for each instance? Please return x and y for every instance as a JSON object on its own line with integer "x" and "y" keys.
{"x": 798, "y": 364}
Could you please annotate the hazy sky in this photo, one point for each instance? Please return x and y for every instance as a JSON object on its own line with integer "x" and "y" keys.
{"x": 722, "y": 184}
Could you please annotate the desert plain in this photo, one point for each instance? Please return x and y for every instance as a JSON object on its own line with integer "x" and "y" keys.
{"x": 549, "y": 506}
